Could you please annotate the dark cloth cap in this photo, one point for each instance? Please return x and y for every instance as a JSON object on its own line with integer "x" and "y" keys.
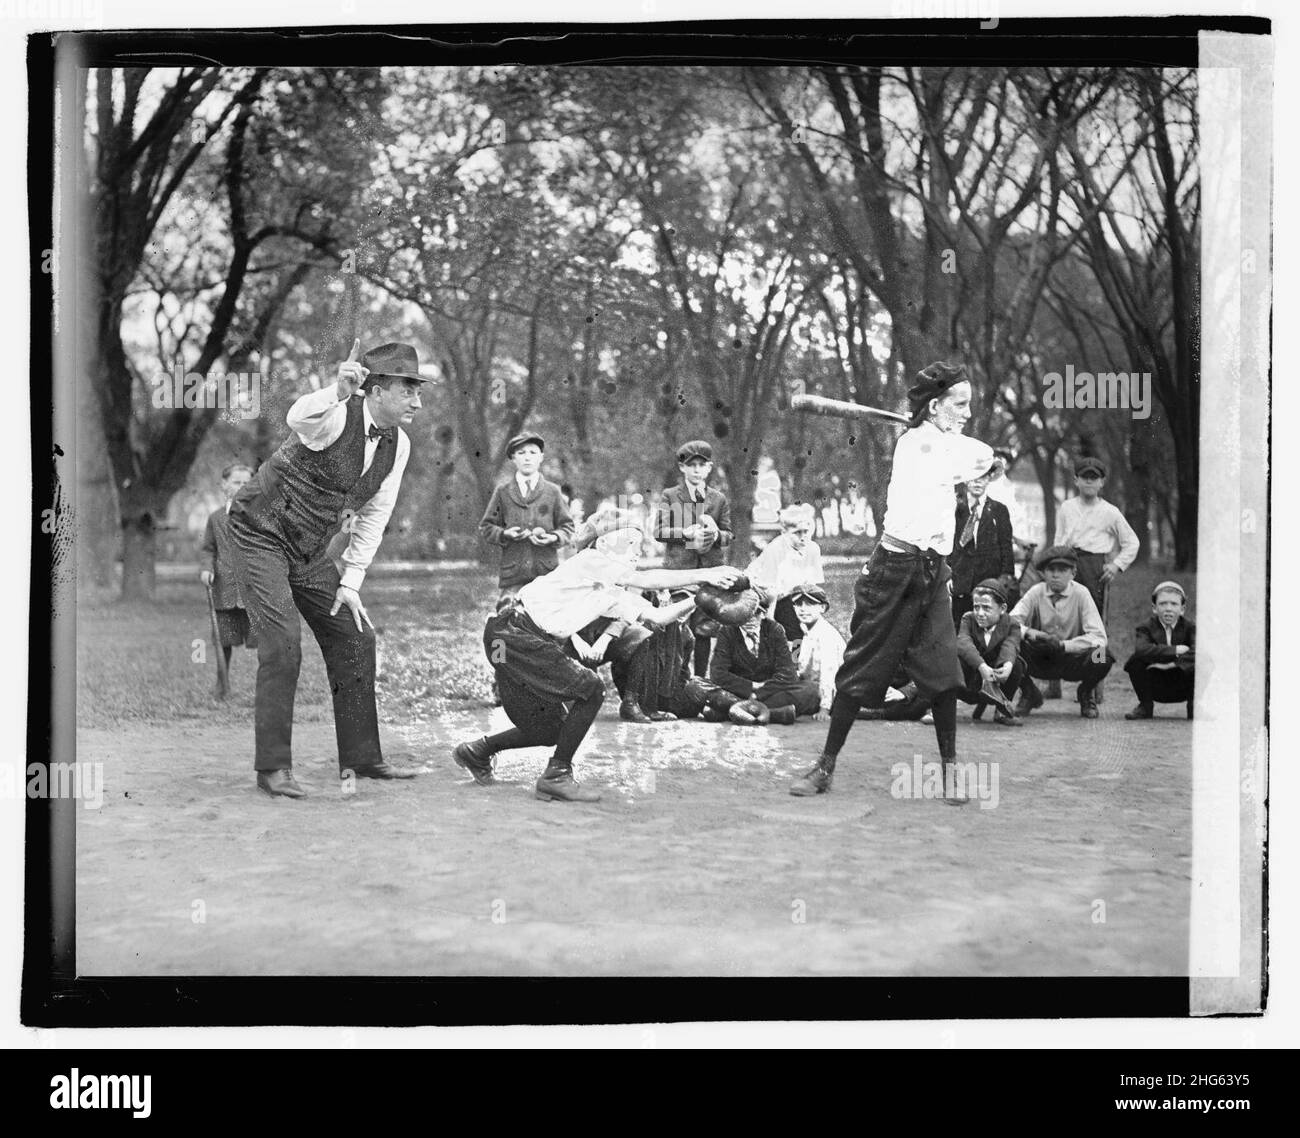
{"x": 992, "y": 586}
{"x": 696, "y": 448}
{"x": 813, "y": 593}
{"x": 1061, "y": 553}
{"x": 522, "y": 440}
{"x": 396, "y": 361}
{"x": 932, "y": 382}
{"x": 1089, "y": 465}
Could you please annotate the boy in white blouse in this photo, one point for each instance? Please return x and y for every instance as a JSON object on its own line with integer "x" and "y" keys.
{"x": 336, "y": 476}
{"x": 903, "y": 613}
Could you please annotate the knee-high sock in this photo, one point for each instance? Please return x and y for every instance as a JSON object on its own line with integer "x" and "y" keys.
{"x": 576, "y": 725}
{"x": 944, "y": 709}
{"x": 844, "y": 711}
{"x": 515, "y": 737}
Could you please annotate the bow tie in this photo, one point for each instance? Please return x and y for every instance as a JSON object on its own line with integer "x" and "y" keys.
{"x": 376, "y": 433}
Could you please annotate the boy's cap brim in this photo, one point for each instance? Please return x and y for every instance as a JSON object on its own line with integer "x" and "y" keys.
{"x": 696, "y": 448}
{"x": 1055, "y": 554}
{"x": 523, "y": 440}
{"x": 1168, "y": 587}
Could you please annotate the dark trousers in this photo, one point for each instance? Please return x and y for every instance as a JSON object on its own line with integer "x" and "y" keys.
{"x": 803, "y": 697}
{"x": 962, "y": 603}
{"x": 1043, "y": 662}
{"x": 901, "y": 621}
{"x": 280, "y": 591}
{"x": 971, "y": 692}
{"x": 1161, "y": 685}
{"x": 1088, "y": 575}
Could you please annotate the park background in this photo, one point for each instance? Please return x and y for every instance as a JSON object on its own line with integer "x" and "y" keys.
{"x": 620, "y": 258}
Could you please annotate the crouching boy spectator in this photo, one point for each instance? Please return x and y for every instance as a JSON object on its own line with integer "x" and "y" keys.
{"x": 755, "y": 677}
{"x": 988, "y": 645}
{"x": 1063, "y": 637}
{"x": 1163, "y": 665}
{"x": 821, "y": 648}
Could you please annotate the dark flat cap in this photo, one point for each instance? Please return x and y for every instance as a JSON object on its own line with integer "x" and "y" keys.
{"x": 396, "y": 361}
{"x": 1089, "y": 465}
{"x": 523, "y": 440}
{"x": 696, "y": 448}
{"x": 932, "y": 382}
{"x": 1053, "y": 553}
{"x": 812, "y": 592}
{"x": 992, "y": 586}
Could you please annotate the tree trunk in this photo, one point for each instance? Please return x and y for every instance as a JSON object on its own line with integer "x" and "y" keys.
{"x": 740, "y": 495}
{"x": 1185, "y": 526}
{"x": 139, "y": 541}
{"x": 1137, "y": 490}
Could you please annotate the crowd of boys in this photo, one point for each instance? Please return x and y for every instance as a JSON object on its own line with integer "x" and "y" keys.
{"x": 937, "y": 611}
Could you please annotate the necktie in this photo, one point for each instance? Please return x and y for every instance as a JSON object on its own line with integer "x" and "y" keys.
{"x": 968, "y": 530}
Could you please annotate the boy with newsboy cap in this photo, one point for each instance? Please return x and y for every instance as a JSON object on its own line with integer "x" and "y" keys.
{"x": 526, "y": 516}
{"x": 903, "y": 614}
{"x": 1063, "y": 637}
{"x": 551, "y": 697}
{"x": 988, "y": 643}
{"x": 1163, "y": 665}
{"x": 336, "y": 475}
{"x": 1104, "y": 543}
{"x": 693, "y": 521}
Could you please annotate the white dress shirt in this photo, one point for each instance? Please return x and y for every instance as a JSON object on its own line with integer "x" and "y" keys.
{"x": 928, "y": 463}
{"x": 821, "y": 652}
{"x": 318, "y": 419}
{"x": 526, "y": 485}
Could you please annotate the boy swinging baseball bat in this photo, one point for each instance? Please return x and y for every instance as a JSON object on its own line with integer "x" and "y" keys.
{"x": 903, "y": 614}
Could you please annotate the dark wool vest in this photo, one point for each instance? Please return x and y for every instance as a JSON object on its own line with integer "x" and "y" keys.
{"x": 301, "y": 493}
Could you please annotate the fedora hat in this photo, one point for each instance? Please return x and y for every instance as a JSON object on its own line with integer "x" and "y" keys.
{"x": 393, "y": 361}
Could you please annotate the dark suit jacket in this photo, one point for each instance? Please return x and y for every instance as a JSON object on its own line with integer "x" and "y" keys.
{"x": 737, "y": 669}
{"x": 219, "y": 546}
{"x": 1003, "y": 642}
{"x": 989, "y": 555}
{"x": 677, "y": 512}
{"x": 522, "y": 561}
{"x": 1149, "y": 645}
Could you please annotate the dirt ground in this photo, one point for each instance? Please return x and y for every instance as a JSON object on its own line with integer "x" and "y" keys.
{"x": 697, "y": 861}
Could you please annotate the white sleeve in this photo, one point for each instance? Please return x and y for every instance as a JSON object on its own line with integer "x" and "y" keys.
{"x": 318, "y": 417}
{"x": 372, "y": 519}
{"x": 832, "y": 658}
{"x": 970, "y": 458}
{"x": 1128, "y": 541}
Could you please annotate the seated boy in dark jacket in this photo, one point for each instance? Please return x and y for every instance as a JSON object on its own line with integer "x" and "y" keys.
{"x": 1163, "y": 665}
{"x": 755, "y": 676}
{"x": 988, "y": 646}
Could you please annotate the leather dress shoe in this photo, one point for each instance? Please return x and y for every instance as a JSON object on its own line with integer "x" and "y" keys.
{"x": 1088, "y": 703}
{"x": 477, "y": 759}
{"x": 280, "y": 783}
{"x": 630, "y": 710}
{"x": 1031, "y": 699}
{"x": 783, "y": 715}
{"x": 1142, "y": 711}
{"x": 711, "y": 714}
{"x": 557, "y": 784}
{"x": 378, "y": 770}
{"x": 662, "y": 717}
{"x": 1001, "y": 717}
{"x": 815, "y": 780}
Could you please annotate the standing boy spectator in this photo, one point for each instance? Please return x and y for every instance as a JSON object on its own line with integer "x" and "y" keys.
{"x": 789, "y": 560}
{"x": 220, "y": 574}
{"x": 981, "y": 545}
{"x": 988, "y": 644}
{"x": 1063, "y": 637}
{"x": 527, "y": 517}
{"x": 694, "y": 523}
{"x": 1163, "y": 665}
{"x": 1103, "y": 542}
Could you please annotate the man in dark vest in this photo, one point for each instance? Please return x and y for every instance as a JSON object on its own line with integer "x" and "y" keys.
{"x": 335, "y": 476}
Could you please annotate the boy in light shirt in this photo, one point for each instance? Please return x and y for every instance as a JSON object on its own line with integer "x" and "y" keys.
{"x": 791, "y": 559}
{"x": 821, "y": 649}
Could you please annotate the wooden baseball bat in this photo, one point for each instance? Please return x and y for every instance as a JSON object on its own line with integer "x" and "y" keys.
{"x": 843, "y": 409}
{"x": 223, "y": 677}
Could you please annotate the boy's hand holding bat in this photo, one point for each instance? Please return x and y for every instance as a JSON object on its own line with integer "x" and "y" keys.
{"x": 351, "y": 374}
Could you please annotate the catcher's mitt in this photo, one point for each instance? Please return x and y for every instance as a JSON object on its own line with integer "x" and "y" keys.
{"x": 728, "y": 606}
